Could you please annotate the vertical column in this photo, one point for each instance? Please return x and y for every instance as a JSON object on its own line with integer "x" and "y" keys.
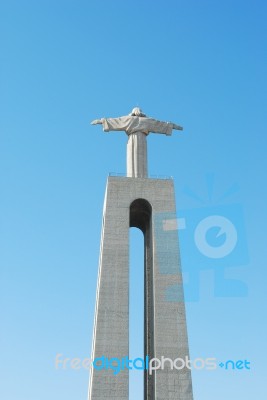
{"x": 111, "y": 326}
{"x": 170, "y": 332}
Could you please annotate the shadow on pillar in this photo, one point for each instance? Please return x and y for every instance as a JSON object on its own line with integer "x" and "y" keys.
{"x": 141, "y": 217}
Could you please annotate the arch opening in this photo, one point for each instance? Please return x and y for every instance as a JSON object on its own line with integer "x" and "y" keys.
{"x": 141, "y": 217}
{"x": 140, "y": 214}
{"x": 136, "y": 311}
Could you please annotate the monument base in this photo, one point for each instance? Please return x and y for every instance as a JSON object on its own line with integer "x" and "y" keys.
{"x": 148, "y": 204}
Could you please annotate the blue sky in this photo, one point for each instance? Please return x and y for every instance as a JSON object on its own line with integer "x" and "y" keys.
{"x": 200, "y": 64}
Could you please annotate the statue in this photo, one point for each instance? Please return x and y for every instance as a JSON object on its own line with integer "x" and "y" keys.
{"x": 137, "y": 126}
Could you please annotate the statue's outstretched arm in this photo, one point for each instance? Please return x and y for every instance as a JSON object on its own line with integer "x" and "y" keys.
{"x": 97, "y": 122}
{"x": 177, "y": 127}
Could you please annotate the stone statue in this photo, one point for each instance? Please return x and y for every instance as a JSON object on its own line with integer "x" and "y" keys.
{"x": 137, "y": 126}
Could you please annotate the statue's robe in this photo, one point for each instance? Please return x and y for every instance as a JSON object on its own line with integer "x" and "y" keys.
{"x": 137, "y": 129}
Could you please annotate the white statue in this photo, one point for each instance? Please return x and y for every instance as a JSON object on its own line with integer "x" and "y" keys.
{"x": 137, "y": 126}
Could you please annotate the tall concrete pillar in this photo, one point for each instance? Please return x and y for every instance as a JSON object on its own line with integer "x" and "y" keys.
{"x": 148, "y": 204}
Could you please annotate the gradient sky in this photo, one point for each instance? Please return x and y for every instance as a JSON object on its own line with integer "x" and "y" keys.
{"x": 201, "y": 64}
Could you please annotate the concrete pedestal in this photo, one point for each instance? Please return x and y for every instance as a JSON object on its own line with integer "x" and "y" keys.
{"x": 148, "y": 204}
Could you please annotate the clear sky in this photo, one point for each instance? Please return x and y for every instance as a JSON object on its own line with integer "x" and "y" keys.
{"x": 201, "y": 64}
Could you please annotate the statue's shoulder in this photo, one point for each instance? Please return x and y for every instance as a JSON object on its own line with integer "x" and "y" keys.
{"x": 125, "y": 118}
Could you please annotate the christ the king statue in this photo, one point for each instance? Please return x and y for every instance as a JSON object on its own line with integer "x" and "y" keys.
{"x": 137, "y": 126}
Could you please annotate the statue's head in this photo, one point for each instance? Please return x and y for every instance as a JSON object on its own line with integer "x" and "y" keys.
{"x": 137, "y": 112}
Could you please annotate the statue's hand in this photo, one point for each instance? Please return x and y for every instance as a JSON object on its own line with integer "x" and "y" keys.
{"x": 96, "y": 122}
{"x": 177, "y": 127}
